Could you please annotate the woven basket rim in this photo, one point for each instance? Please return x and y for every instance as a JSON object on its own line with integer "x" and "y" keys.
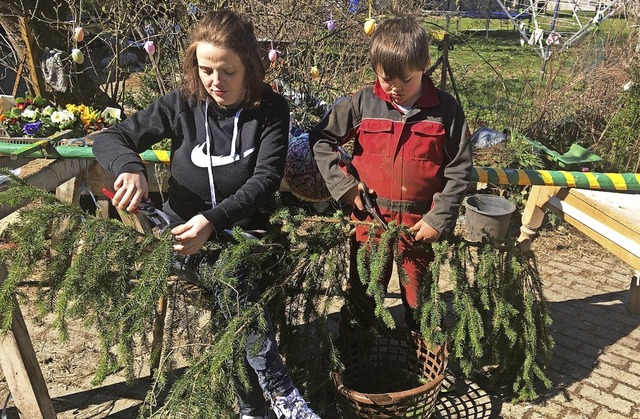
{"x": 392, "y": 397}
{"x": 385, "y": 398}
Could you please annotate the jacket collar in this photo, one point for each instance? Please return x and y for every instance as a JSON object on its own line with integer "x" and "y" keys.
{"x": 429, "y": 97}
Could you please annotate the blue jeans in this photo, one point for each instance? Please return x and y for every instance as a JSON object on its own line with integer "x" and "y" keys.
{"x": 263, "y": 364}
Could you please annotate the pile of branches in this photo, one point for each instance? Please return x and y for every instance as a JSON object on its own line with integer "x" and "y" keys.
{"x": 111, "y": 276}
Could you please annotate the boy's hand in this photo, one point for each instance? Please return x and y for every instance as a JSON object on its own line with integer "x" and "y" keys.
{"x": 424, "y": 232}
{"x": 192, "y": 235}
{"x": 354, "y": 197}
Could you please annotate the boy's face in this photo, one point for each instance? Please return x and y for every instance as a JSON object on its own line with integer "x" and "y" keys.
{"x": 404, "y": 92}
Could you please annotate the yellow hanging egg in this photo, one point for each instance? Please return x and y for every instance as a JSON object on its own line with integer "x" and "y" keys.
{"x": 77, "y": 55}
{"x": 369, "y": 26}
{"x": 315, "y": 73}
{"x": 78, "y": 34}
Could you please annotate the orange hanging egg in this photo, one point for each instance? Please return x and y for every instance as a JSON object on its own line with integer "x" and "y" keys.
{"x": 369, "y": 26}
{"x": 78, "y": 34}
{"x": 315, "y": 73}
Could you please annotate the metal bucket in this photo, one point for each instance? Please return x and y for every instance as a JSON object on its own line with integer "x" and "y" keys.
{"x": 487, "y": 215}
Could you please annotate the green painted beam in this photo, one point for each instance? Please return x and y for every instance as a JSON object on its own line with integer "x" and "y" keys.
{"x": 69, "y": 152}
{"x": 620, "y": 182}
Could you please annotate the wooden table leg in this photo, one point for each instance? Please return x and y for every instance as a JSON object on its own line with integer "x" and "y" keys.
{"x": 21, "y": 370}
{"x": 142, "y": 224}
{"x": 533, "y": 213}
{"x": 633, "y": 306}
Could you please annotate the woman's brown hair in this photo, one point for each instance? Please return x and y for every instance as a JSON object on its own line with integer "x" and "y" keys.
{"x": 229, "y": 30}
{"x": 398, "y": 46}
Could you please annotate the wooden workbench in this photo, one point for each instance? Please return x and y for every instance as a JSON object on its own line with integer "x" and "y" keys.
{"x": 610, "y": 218}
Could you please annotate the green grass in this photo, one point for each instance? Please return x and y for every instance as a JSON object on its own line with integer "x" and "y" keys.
{"x": 497, "y": 78}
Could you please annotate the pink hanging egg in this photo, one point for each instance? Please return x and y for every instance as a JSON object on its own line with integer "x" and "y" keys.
{"x": 150, "y": 47}
{"x": 273, "y": 55}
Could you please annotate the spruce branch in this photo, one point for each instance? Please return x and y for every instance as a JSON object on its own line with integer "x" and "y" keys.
{"x": 111, "y": 276}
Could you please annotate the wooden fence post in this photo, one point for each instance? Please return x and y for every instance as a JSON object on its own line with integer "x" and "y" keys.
{"x": 34, "y": 73}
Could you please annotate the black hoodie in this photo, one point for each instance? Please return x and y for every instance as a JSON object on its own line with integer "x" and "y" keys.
{"x": 243, "y": 184}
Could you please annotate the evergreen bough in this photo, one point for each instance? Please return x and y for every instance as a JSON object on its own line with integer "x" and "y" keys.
{"x": 111, "y": 276}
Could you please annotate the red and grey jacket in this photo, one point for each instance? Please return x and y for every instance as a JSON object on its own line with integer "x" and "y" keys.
{"x": 418, "y": 163}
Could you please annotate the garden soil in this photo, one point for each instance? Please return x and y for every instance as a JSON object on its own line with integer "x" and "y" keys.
{"x": 595, "y": 368}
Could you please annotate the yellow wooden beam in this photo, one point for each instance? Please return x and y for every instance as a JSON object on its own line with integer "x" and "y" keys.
{"x": 35, "y": 74}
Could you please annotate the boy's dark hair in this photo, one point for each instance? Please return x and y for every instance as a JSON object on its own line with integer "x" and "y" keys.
{"x": 231, "y": 31}
{"x": 398, "y": 46}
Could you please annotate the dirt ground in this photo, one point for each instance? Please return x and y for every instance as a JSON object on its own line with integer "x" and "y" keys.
{"x": 68, "y": 367}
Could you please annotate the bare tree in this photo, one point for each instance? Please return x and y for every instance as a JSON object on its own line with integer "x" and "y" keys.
{"x": 48, "y": 24}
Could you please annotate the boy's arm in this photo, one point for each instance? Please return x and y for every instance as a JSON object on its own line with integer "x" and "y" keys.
{"x": 457, "y": 172}
{"x": 337, "y": 127}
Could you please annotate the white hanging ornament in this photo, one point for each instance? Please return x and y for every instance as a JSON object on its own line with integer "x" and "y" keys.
{"x": 78, "y": 34}
{"x": 77, "y": 56}
{"x": 150, "y": 47}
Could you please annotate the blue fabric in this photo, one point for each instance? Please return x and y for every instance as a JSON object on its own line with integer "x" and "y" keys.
{"x": 265, "y": 369}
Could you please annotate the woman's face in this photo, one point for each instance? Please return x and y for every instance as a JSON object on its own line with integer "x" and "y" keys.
{"x": 222, "y": 74}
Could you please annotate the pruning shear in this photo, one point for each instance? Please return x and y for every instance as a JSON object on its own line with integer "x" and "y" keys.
{"x": 161, "y": 221}
{"x": 157, "y": 218}
{"x": 369, "y": 205}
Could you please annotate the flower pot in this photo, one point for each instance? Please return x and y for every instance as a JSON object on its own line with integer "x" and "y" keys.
{"x": 487, "y": 216}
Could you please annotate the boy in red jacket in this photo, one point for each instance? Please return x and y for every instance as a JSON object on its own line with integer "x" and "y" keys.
{"x": 411, "y": 149}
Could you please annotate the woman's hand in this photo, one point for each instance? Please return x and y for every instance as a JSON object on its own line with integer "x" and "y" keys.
{"x": 131, "y": 189}
{"x": 192, "y": 235}
{"x": 424, "y": 232}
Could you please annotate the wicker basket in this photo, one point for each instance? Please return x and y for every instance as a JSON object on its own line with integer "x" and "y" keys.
{"x": 406, "y": 350}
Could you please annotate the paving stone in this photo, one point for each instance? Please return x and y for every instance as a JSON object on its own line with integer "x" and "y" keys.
{"x": 563, "y": 266}
{"x": 616, "y": 404}
{"x": 583, "y": 406}
{"x": 626, "y": 392}
{"x": 600, "y": 381}
{"x": 614, "y": 372}
{"x": 608, "y": 414}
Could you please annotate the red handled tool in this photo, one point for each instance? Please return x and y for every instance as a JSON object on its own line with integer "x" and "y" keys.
{"x": 157, "y": 218}
{"x": 369, "y": 205}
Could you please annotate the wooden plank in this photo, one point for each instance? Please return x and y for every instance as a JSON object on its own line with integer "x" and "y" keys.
{"x": 621, "y": 246}
{"x": 21, "y": 370}
{"x": 16, "y": 83}
{"x": 47, "y": 175}
{"x": 620, "y": 211}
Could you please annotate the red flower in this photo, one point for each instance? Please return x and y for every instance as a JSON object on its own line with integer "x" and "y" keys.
{"x": 21, "y": 106}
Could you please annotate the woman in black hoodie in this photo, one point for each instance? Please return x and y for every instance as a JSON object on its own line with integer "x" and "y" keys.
{"x": 229, "y": 137}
